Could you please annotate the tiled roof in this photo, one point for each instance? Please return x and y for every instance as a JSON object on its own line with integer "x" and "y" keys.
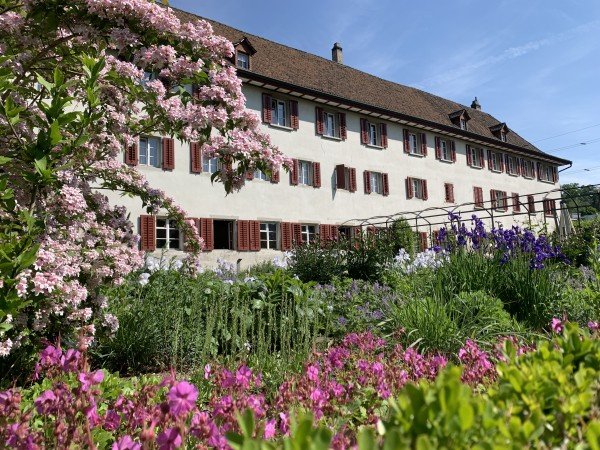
{"x": 288, "y": 65}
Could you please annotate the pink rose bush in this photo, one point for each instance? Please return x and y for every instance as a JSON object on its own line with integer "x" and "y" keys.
{"x": 82, "y": 80}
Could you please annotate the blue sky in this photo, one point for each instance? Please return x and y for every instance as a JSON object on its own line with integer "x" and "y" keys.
{"x": 534, "y": 64}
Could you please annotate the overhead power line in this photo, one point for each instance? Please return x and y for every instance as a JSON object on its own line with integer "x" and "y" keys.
{"x": 567, "y": 132}
{"x": 587, "y": 169}
{"x": 579, "y": 144}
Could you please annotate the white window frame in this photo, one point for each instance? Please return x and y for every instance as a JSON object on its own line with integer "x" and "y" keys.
{"x": 511, "y": 165}
{"x": 545, "y": 173}
{"x": 260, "y": 175}
{"x": 495, "y": 162}
{"x": 413, "y": 144}
{"x": 374, "y": 137}
{"x": 171, "y": 232}
{"x": 501, "y": 200}
{"x": 463, "y": 123}
{"x": 309, "y": 233}
{"x": 211, "y": 165}
{"x": 418, "y": 186}
{"x": 475, "y": 156}
{"x": 529, "y": 167}
{"x": 145, "y": 157}
{"x": 269, "y": 236}
{"x": 445, "y": 152}
{"x": 305, "y": 172}
{"x": 376, "y": 180}
{"x": 503, "y": 135}
{"x": 330, "y": 129}
{"x": 276, "y": 118}
{"x": 239, "y": 60}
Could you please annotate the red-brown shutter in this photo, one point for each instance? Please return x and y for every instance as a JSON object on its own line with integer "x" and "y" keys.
{"x": 409, "y": 188}
{"x": 286, "y": 236}
{"x": 316, "y": 174}
{"x": 297, "y": 233}
{"x": 243, "y": 235}
{"x": 319, "y": 120}
{"x": 438, "y": 147}
{"x": 131, "y": 154}
{"x": 334, "y": 232}
{"x": 516, "y": 202}
{"x": 340, "y": 177}
{"x": 425, "y": 193}
{"x": 481, "y": 158}
{"x": 423, "y": 138}
{"x": 364, "y": 134}
{"x": 168, "y": 154}
{"x": 539, "y": 171}
{"x": 449, "y": 189}
{"x": 254, "y": 235}
{"x": 250, "y": 175}
{"x": 147, "y": 233}
{"x": 489, "y": 152}
{"x": 324, "y": 233}
{"x": 501, "y": 157}
{"x": 517, "y": 165}
{"x": 367, "y": 181}
{"x": 195, "y": 158}
{"x": 383, "y": 132}
{"x": 531, "y": 203}
{"x": 342, "y": 122}
{"x": 352, "y": 179}
{"x": 207, "y": 234}
{"x": 478, "y": 196}
{"x": 386, "y": 184}
{"x": 294, "y": 173}
{"x": 452, "y": 150}
{"x": 294, "y": 119}
{"x": 406, "y": 134}
{"x": 423, "y": 240}
{"x": 469, "y": 156}
{"x": 275, "y": 176}
{"x": 554, "y": 174}
{"x": 266, "y": 108}
{"x": 493, "y": 199}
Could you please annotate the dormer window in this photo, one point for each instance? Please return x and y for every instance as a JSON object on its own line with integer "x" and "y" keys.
{"x": 503, "y": 136}
{"x": 500, "y": 131}
{"x": 460, "y": 118}
{"x": 242, "y": 60}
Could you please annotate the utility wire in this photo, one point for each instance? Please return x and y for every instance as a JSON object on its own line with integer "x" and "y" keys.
{"x": 587, "y": 169}
{"x": 567, "y": 132}
{"x": 567, "y": 147}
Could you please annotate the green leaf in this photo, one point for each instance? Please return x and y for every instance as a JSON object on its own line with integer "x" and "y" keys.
{"x": 55, "y": 134}
{"x": 246, "y": 422}
{"x": 593, "y": 435}
{"x": 366, "y": 439}
{"x": 466, "y": 416}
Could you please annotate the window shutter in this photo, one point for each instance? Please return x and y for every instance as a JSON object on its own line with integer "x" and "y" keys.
{"x": 364, "y": 135}
{"x": 517, "y": 165}
{"x": 342, "y": 122}
{"x": 554, "y": 174}
{"x": 294, "y": 119}
{"x": 438, "y": 147}
{"x": 367, "y": 181}
{"x": 324, "y": 233}
{"x": 409, "y": 188}
{"x": 334, "y": 232}
{"x": 425, "y": 194}
{"x": 386, "y": 184}
{"x": 469, "y": 156}
{"x": 131, "y": 154}
{"x": 531, "y": 203}
{"x": 294, "y": 173}
{"x": 423, "y": 138}
{"x": 207, "y": 234}
{"x": 316, "y": 174}
{"x": 249, "y": 175}
{"x": 539, "y": 171}
{"x": 383, "y": 132}
{"x": 406, "y": 141}
{"x": 286, "y": 236}
{"x": 478, "y": 197}
{"x": 254, "y": 235}
{"x": 275, "y": 176}
{"x": 501, "y": 157}
{"x": 243, "y": 235}
{"x": 423, "y": 240}
{"x": 266, "y": 108}
{"x": 453, "y": 150}
{"x": 147, "y": 233}
{"x": 297, "y": 233}
{"x": 352, "y": 179}
{"x": 449, "y": 189}
{"x": 340, "y": 177}
{"x": 481, "y": 158}
{"x": 493, "y": 199}
{"x": 489, "y": 156}
{"x": 195, "y": 158}
{"x": 516, "y": 202}
{"x": 319, "y": 120}
{"x": 168, "y": 154}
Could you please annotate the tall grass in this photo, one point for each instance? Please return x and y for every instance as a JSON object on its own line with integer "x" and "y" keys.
{"x": 183, "y": 322}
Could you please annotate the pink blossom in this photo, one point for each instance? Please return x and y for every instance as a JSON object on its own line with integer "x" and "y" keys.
{"x": 169, "y": 439}
{"x": 593, "y": 325}
{"x": 557, "y": 325}
{"x": 126, "y": 443}
{"x": 90, "y": 379}
{"x": 45, "y": 402}
{"x": 270, "y": 429}
{"x": 182, "y": 398}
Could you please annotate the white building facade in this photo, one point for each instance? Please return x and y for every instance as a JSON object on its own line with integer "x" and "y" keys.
{"x": 387, "y": 149}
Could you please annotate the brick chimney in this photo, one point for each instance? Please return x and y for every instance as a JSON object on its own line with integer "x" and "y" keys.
{"x": 336, "y": 53}
{"x": 475, "y": 104}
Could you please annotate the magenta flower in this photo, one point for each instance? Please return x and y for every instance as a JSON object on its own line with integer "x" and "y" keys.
{"x": 243, "y": 376}
{"x": 89, "y": 379}
{"x": 207, "y": 371}
{"x": 45, "y": 401}
{"x": 312, "y": 372}
{"x": 557, "y": 325}
{"x": 169, "y": 439}
{"x": 182, "y": 398}
{"x": 593, "y": 325}
{"x": 126, "y": 443}
{"x": 270, "y": 429}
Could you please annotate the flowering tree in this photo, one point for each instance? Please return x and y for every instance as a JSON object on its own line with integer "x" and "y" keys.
{"x": 79, "y": 81}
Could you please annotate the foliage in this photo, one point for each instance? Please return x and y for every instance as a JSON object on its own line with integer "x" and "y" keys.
{"x": 577, "y": 246}
{"x": 79, "y": 81}
{"x": 584, "y": 200}
{"x": 317, "y": 261}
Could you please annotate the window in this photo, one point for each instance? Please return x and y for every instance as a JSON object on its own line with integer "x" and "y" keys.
{"x": 243, "y": 60}
{"x": 259, "y": 174}
{"x": 503, "y": 136}
{"x": 445, "y": 154}
{"x": 305, "y": 173}
{"x": 211, "y": 165}
{"x": 475, "y": 157}
{"x": 495, "y": 161}
{"x": 345, "y": 178}
{"x": 268, "y": 235}
{"x": 530, "y": 204}
{"x": 413, "y": 143}
{"x": 308, "y": 234}
{"x": 150, "y": 151}
{"x": 546, "y": 172}
{"x": 279, "y": 112}
{"x": 478, "y": 197}
{"x": 499, "y": 200}
{"x": 376, "y": 182}
{"x": 373, "y": 134}
{"x": 549, "y": 207}
{"x": 463, "y": 123}
{"x": 511, "y": 165}
{"x": 416, "y": 188}
{"x": 527, "y": 168}
{"x": 516, "y": 201}
{"x": 330, "y": 127}
{"x": 449, "y": 192}
{"x": 223, "y": 234}
{"x": 167, "y": 234}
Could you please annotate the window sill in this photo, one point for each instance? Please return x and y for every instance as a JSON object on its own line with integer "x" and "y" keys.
{"x": 378, "y": 147}
{"x": 280, "y": 127}
{"x": 512, "y": 174}
{"x": 331, "y": 138}
{"x": 495, "y": 171}
{"x": 418, "y": 155}
{"x": 547, "y": 181}
{"x": 476, "y": 167}
{"x": 528, "y": 178}
{"x": 447, "y": 161}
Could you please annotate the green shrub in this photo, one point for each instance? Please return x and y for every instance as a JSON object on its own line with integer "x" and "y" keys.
{"x": 579, "y": 245}
{"x": 316, "y": 262}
